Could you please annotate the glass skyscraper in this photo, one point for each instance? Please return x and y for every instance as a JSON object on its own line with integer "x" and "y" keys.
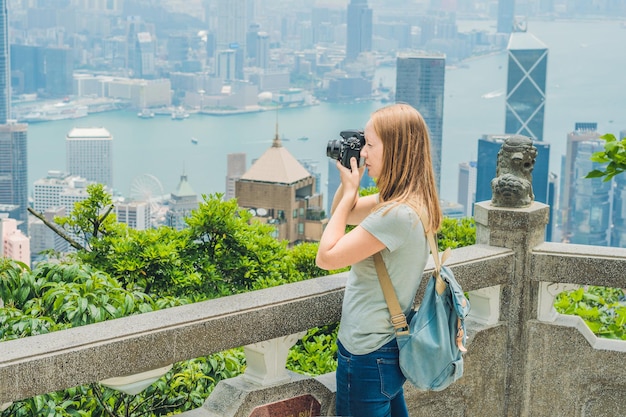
{"x": 506, "y": 16}
{"x": 359, "y": 36}
{"x": 420, "y": 83}
{"x": 14, "y": 173}
{"x": 13, "y": 149}
{"x": 5, "y": 65}
{"x": 526, "y": 85}
{"x": 585, "y": 202}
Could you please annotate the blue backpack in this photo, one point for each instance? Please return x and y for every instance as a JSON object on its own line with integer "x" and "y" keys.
{"x": 432, "y": 344}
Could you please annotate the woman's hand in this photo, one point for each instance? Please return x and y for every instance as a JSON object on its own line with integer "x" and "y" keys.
{"x": 336, "y": 248}
{"x": 350, "y": 178}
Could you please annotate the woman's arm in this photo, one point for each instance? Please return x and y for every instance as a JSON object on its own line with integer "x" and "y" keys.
{"x": 336, "y": 248}
{"x": 361, "y": 206}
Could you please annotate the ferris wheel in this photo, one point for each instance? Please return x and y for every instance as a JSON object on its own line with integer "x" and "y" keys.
{"x": 147, "y": 188}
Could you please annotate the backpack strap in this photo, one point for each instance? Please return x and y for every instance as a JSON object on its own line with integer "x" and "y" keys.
{"x": 440, "y": 284}
{"x": 398, "y": 319}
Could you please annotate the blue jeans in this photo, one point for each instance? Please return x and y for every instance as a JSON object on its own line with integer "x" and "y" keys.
{"x": 370, "y": 385}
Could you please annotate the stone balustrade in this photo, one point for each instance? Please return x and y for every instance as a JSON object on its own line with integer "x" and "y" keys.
{"x": 523, "y": 358}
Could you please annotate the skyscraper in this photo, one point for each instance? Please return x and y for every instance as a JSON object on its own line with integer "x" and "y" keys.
{"x": 231, "y": 26}
{"x": 466, "y": 194}
{"x": 235, "y": 168}
{"x": 420, "y": 83}
{"x": 13, "y": 149}
{"x": 14, "y": 173}
{"x": 526, "y": 85}
{"x": 89, "y": 153}
{"x": 5, "y": 65}
{"x": 585, "y": 202}
{"x": 506, "y": 16}
{"x": 359, "y": 36}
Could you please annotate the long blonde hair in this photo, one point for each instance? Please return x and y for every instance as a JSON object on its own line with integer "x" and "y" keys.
{"x": 407, "y": 174}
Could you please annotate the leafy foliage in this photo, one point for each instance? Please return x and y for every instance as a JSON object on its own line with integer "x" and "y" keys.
{"x": 185, "y": 387}
{"x": 457, "y": 233}
{"x": 316, "y": 353}
{"x": 602, "y": 308}
{"x": 613, "y": 155}
{"x": 91, "y": 218}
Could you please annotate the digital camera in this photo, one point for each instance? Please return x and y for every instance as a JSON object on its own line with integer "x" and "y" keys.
{"x": 350, "y": 145}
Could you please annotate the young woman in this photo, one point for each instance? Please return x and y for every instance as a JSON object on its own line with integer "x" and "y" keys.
{"x": 397, "y": 155}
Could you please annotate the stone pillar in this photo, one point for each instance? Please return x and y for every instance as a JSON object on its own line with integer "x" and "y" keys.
{"x": 267, "y": 389}
{"x": 519, "y": 229}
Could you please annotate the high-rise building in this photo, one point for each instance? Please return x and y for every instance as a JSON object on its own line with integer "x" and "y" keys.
{"x": 585, "y": 204}
{"x": 618, "y": 233}
{"x": 89, "y": 153}
{"x": 13, "y": 243}
{"x": 14, "y": 172}
{"x": 279, "y": 191}
{"x": 226, "y": 67}
{"x": 526, "y": 85}
{"x": 5, "y": 65}
{"x": 178, "y": 47}
{"x": 13, "y": 149}
{"x": 420, "y": 82}
{"x": 235, "y": 168}
{"x": 466, "y": 193}
{"x": 359, "y": 26}
{"x": 231, "y": 26}
{"x": 42, "y": 238}
{"x": 47, "y": 191}
{"x": 506, "y": 16}
{"x": 145, "y": 51}
{"x": 263, "y": 50}
{"x": 136, "y": 214}
{"x": 182, "y": 202}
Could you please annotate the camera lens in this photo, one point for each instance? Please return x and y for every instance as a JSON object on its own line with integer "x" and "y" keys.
{"x": 333, "y": 149}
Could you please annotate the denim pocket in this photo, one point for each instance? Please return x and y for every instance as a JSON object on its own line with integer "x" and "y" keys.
{"x": 391, "y": 377}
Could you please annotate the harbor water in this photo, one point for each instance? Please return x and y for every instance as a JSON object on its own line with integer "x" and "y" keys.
{"x": 586, "y": 83}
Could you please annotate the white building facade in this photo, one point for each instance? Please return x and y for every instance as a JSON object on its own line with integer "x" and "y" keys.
{"x": 89, "y": 153}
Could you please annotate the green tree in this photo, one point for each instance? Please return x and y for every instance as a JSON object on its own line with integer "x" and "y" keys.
{"x": 239, "y": 253}
{"x": 91, "y": 218}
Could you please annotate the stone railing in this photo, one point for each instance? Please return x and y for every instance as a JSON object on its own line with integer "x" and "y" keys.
{"x": 523, "y": 358}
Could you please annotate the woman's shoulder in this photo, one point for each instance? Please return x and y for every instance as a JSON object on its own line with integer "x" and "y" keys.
{"x": 398, "y": 212}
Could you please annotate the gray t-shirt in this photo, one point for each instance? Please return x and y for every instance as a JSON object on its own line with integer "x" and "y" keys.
{"x": 365, "y": 320}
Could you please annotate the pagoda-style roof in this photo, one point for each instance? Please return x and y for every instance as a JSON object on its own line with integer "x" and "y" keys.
{"x": 184, "y": 188}
{"x": 276, "y": 165}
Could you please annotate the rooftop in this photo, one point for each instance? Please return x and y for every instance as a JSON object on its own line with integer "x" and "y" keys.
{"x": 276, "y": 165}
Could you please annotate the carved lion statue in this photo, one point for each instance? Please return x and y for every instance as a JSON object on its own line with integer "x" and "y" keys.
{"x": 513, "y": 185}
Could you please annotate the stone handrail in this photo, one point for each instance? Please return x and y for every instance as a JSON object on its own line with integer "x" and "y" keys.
{"x": 139, "y": 343}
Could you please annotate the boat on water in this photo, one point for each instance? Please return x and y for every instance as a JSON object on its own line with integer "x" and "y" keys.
{"x": 179, "y": 114}
{"x": 303, "y": 138}
{"x": 145, "y": 114}
{"x": 194, "y": 140}
{"x": 57, "y": 111}
{"x": 493, "y": 94}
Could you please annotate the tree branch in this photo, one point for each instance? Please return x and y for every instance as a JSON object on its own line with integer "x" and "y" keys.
{"x": 56, "y": 230}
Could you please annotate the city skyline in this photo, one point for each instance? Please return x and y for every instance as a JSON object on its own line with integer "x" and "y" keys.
{"x": 440, "y": 27}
